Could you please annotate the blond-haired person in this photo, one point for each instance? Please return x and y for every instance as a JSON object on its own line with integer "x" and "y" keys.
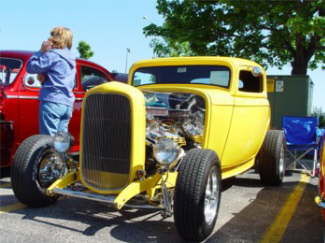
{"x": 56, "y": 66}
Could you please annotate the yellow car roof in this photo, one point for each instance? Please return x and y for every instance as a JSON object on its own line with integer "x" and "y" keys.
{"x": 197, "y": 60}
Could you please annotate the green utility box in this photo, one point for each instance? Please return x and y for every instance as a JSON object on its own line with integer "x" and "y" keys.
{"x": 289, "y": 96}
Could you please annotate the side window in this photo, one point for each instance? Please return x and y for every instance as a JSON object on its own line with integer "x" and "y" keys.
{"x": 91, "y": 77}
{"x": 9, "y": 69}
{"x": 249, "y": 83}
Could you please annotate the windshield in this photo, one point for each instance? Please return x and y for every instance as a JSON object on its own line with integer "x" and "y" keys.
{"x": 210, "y": 75}
{"x": 9, "y": 68}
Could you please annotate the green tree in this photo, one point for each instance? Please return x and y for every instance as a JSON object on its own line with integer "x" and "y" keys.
{"x": 171, "y": 48}
{"x": 85, "y": 50}
{"x": 318, "y": 112}
{"x": 272, "y": 33}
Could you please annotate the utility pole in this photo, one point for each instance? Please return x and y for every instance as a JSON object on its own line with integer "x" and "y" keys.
{"x": 126, "y": 59}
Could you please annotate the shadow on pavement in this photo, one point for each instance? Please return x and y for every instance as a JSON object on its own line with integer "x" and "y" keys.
{"x": 127, "y": 226}
{"x": 4, "y": 172}
{"x": 248, "y": 225}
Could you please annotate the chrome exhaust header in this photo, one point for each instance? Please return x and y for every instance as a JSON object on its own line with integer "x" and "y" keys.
{"x": 108, "y": 199}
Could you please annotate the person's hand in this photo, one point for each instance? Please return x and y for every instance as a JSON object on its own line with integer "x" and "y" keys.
{"x": 41, "y": 78}
{"x": 46, "y": 45}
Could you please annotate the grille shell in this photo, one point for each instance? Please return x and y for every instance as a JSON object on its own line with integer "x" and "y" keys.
{"x": 106, "y": 141}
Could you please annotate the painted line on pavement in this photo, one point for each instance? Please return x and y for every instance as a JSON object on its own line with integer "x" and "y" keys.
{"x": 5, "y": 185}
{"x": 275, "y": 232}
{"x": 12, "y": 207}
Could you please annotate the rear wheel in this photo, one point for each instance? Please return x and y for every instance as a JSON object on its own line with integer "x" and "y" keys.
{"x": 271, "y": 161}
{"x": 36, "y": 166}
{"x": 197, "y": 194}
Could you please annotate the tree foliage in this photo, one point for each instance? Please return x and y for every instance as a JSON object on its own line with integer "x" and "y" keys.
{"x": 272, "y": 33}
{"x": 84, "y": 50}
{"x": 318, "y": 112}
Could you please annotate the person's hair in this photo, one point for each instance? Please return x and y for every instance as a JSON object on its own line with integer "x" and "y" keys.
{"x": 61, "y": 37}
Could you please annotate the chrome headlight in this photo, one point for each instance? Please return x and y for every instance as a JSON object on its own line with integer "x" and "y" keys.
{"x": 166, "y": 151}
{"x": 62, "y": 142}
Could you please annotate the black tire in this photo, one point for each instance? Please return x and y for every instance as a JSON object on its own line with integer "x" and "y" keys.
{"x": 25, "y": 171}
{"x": 271, "y": 161}
{"x": 190, "y": 194}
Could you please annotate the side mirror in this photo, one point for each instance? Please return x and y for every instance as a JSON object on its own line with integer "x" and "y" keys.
{"x": 256, "y": 71}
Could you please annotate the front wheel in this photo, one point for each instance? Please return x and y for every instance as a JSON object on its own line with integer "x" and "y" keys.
{"x": 197, "y": 194}
{"x": 36, "y": 166}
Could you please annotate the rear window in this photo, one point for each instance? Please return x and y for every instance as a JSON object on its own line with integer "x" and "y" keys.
{"x": 9, "y": 69}
{"x": 208, "y": 75}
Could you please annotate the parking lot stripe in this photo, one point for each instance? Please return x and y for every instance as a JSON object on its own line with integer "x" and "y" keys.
{"x": 275, "y": 232}
{"x": 4, "y": 185}
{"x": 11, "y": 207}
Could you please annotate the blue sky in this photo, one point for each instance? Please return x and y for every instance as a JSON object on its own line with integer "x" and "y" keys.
{"x": 109, "y": 26}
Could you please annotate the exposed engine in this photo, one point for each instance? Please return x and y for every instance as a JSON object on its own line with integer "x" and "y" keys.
{"x": 178, "y": 117}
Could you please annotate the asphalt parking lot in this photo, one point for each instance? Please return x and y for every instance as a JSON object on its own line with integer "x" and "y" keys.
{"x": 248, "y": 212}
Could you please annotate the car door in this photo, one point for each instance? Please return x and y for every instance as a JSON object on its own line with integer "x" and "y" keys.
{"x": 10, "y": 67}
{"x": 28, "y": 107}
{"x": 88, "y": 76}
{"x": 250, "y": 119}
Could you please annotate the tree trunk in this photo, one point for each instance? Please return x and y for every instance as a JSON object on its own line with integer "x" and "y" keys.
{"x": 299, "y": 67}
{"x": 301, "y": 57}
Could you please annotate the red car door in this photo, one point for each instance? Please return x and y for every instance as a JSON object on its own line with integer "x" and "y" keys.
{"x": 29, "y": 109}
{"x": 88, "y": 75}
{"x": 9, "y": 74}
{"x": 27, "y": 122}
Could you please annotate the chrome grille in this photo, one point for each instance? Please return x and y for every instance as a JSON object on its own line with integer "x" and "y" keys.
{"x": 106, "y": 141}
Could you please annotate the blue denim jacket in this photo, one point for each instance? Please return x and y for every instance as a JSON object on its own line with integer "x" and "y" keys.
{"x": 59, "y": 68}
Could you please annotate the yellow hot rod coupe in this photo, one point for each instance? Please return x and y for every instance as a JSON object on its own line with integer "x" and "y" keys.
{"x": 163, "y": 141}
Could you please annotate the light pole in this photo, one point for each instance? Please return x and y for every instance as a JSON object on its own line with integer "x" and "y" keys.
{"x": 126, "y": 58}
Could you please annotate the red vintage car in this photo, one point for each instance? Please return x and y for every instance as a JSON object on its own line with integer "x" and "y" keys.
{"x": 19, "y": 92}
{"x": 320, "y": 199}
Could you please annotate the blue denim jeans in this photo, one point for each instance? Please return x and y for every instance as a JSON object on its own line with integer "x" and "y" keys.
{"x": 54, "y": 117}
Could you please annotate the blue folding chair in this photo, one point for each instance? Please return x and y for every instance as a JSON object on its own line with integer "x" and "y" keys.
{"x": 302, "y": 140}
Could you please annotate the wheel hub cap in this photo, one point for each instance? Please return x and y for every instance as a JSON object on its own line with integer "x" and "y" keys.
{"x": 51, "y": 168}
{"x": 211, "y": 196}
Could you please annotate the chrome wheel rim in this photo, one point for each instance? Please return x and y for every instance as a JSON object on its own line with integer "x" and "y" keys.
{"x": 281, "y": 163}
{"x": 51, "y": 168}
{"x": 211, "y": 196}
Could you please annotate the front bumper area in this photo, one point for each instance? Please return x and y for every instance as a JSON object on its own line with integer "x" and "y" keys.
{"x": 64, "y": 186}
